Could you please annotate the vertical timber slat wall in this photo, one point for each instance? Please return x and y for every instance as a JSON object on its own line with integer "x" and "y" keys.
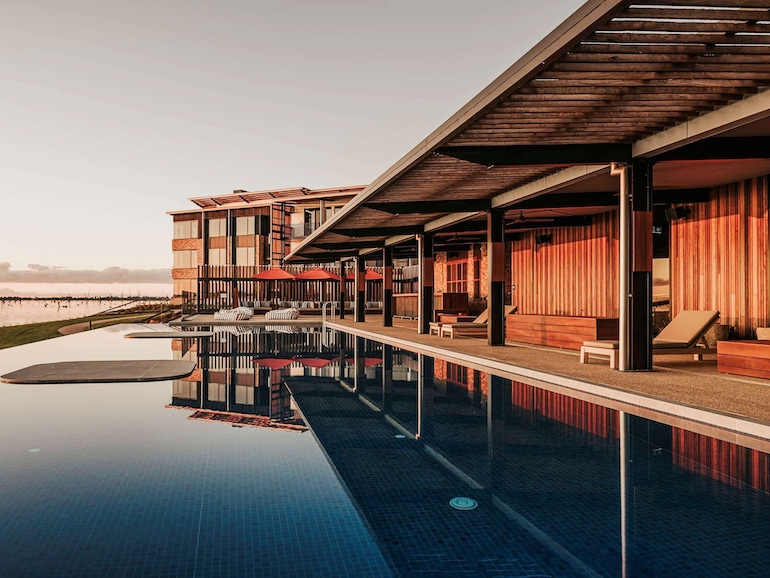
{"x": 719, "y": 256}
{"x": 574, "y": 274}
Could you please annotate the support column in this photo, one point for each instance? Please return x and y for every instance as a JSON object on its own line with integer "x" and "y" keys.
{"x": 635, "y": 267}
{"x": 360, "y": 304}
{"x": 342, "y": 289}
{"x": 641, "y": 268}
{"x": 387, "y": 287}
{"x": 496, "y": 277}
{"x": 425, "y": 292}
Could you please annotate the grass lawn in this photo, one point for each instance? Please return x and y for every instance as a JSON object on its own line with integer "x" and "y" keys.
{"x": 21, "y": 334}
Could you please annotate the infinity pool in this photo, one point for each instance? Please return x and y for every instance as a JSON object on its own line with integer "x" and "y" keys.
{"x": 308, "y": 453}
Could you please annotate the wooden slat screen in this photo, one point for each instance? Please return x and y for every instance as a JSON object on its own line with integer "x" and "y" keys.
{"x": 575, "y": 274}
{"x": 719, "y": 256}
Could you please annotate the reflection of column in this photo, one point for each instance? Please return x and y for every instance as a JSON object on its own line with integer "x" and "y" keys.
{"x": 425, "y": 393}
{"x": 498, "y": 407}
{"x": 359, "y": 348}
{"x": 387, "y": 378}
{"x": 623, "y": 418}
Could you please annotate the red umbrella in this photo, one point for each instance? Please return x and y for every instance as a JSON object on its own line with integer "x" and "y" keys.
{"x": 368, "y": 361}
{"x": 318, "y": 274}
{"x": 273, "y": 362}
{"x": 316, "y": 362}
{"x": 370, "y": 275}
{"x": 274, "y": 274}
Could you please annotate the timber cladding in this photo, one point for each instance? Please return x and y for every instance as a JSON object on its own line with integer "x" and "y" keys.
{"x": 719, "y": 256}
{"x": 576, "y": 273}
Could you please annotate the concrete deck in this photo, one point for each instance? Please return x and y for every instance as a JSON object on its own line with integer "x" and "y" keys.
{"x": 676, "y": 379}
{"x": 117, "y": 371}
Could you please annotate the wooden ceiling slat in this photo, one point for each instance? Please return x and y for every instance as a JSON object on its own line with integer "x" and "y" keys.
{"x": 650, "y": 80}
{"x": 610, "y": 48}
{"x": 664, "y": 67}
{"x": 703, "y": 58}
{"x": 699, "y": 14}
{"x": 705, "y": 38}
{"x": 721, "y": 26}
{"x": 710, "y": 3}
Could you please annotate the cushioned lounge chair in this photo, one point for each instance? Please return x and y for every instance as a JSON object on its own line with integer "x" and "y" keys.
{"x": 435, "y": 326}
{"x": 686, "y": 334}
{"x": 473, "y": 328}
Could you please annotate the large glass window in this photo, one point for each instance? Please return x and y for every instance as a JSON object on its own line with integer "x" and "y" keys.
{"x": 186, "y": 230}
{"x": 244, "y": 225}
{"x": 217, "y": 227}
{"x": 217, "y": 256}
{"x": 245, "y": 256}
{"x": 457, "y": 276}
{"x": 185, "y": 259}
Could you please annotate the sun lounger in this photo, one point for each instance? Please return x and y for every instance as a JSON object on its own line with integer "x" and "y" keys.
{"x": 475, "y": 328}
{"x": 686, "y": 334}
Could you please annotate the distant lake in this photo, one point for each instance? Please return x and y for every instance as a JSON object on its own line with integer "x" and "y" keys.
{"x": 22, "y": 311}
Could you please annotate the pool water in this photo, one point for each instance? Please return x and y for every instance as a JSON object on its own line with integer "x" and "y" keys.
{"x": 304, "y": 453}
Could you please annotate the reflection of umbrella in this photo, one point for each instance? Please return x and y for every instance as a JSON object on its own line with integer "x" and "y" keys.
{"x": 273, "y": 362}
{"x": 368, "y": 361}
{"x": 318, "y": 274}
{"x": 316, "y": 362}
{"x": 370, "y": 275}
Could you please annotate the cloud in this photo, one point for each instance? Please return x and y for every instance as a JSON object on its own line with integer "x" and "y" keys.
{"x": 36, "y": 273}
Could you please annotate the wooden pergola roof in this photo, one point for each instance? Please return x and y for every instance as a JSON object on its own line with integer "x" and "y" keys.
{"x": 680, "y": 83}
{"x": 243, "y": 198}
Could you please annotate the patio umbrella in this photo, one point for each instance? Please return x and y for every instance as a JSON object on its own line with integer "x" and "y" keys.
{"x": 370, "y": 275}
{"x": 318, "y": 274}
{"x": 273, "y": 274}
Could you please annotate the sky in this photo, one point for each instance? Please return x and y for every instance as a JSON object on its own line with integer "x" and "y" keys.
{"x": 114, "y": 113}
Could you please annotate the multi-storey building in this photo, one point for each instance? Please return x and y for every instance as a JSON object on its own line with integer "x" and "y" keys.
{"x": 234, "y": 236}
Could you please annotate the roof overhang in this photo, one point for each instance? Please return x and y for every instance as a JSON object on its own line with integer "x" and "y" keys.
{"x": 680, "y": 84}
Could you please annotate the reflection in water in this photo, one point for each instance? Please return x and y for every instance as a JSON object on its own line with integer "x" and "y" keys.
{"x": 567, "y": 486}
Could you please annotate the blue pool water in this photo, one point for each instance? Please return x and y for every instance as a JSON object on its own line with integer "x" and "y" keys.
{"x": 153, "y": 480}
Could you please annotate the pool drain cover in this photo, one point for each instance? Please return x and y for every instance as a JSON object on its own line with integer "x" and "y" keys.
{"x": 400, "y": 436}
{"x": 463, "y": 503}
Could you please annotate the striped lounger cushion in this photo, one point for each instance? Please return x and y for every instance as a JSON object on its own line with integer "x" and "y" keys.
{"x": 237, "y": 314}
{"x": 290, "y": 313}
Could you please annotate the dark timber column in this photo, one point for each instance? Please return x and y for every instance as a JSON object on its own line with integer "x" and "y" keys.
{"x": 387, "y": 287}
{"x": 360, "y": 288}
{"x": 635, "y": 267}
{"x": 641, "y": 267}
{"x": 425, "y": 293}
{"x": 496, "y": 277}
{"x": 342, "y": 289}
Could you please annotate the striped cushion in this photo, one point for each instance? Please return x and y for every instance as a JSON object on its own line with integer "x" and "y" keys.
{"x": 290, "y": 313}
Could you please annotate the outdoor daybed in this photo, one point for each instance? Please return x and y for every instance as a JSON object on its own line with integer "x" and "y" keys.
{"x": 686, "y": 334}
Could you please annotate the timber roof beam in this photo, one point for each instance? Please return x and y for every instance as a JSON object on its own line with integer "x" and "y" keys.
{"x": 533, "y": 155}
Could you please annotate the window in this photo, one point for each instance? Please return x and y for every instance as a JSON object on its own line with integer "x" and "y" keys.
{"x": 186, "y": 230}
{"x": 217, "y": 227}
{"x": 245, "y": 256}
{"x": 185, "y": 259}
{"x": 244, "y": 225}
{"x": 457, "y": 276}
{"x": 217, "y": 256}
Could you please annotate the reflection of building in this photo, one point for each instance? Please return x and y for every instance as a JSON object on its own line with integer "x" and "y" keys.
{"x": 239, "y": 372}
{"x": 239, "y": 234}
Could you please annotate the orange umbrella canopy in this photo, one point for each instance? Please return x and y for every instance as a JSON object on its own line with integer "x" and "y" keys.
{"x": 318, "y": 274}
{"x": 370, "y": 275}
{"x": 274, "y": 274}
{"x": 273, "y": 362}
{"x": 314, "y": 361}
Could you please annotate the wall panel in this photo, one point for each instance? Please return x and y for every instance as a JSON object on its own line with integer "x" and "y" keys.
{"x": 575, "y": 274}
{"x": 719, "y": 256}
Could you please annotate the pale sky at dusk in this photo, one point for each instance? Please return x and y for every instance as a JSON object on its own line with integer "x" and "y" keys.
{"x": 115, "y": 112}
